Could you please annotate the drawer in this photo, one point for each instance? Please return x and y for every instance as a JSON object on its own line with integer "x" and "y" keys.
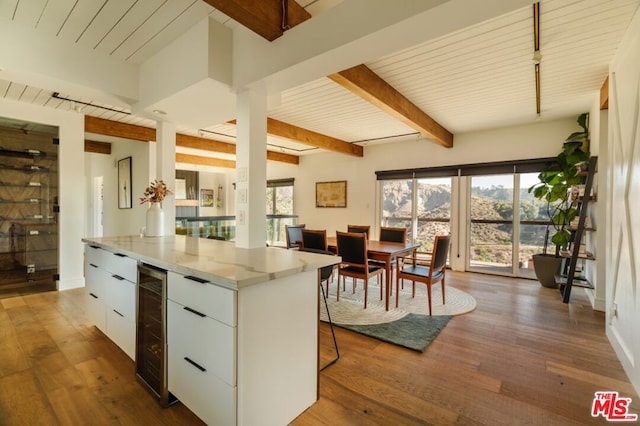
{"x": 115, "y": 263}
{"x": 214, "y": 301}
{"x": 95, "y": 280}
{"x": 95, "y": 255}
{"x": 121, "y": 295}
{"x": 211, "y": 399}
{"x": 122, "y": 331}
{"x": 206, "y": 341}
{"x": 96, "y": 311}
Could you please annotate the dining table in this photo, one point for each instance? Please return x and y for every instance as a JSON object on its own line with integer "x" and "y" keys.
{"x": 383, "y": 251}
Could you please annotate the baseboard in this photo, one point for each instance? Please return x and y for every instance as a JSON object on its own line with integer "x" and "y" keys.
{"x": 597, "y": 304}
{"x": 624, "y": 356}
{"x": 68, "y": 284}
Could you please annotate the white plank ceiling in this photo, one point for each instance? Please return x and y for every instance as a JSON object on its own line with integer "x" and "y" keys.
{"x": 477, "y": 78}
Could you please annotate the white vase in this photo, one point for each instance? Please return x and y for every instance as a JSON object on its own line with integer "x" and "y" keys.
{"x": 155, "y": 221}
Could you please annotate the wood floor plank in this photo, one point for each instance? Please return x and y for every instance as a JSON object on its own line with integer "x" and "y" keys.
{"x": 23, "y": 402}
{"x": 521, "y": 357}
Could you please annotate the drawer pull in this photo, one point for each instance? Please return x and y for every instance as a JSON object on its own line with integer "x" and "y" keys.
{"x": 193, "y": 311}
{"x": 195, "y": 364}
{"x": 118, "y": 313}
{"x": 196, "y": 279}
{"x": 91, "y": 264}
{"x": 93, "y": 295}
{"x": 94, "y": 247}
{"x": 119, "y": 254}
{"x": 118, "y": 277}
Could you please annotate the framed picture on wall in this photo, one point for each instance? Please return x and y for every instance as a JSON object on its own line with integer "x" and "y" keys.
{"x": 331, "y": 194}
{"x": 125, "y": 194}
{"x": 206, "y": 198}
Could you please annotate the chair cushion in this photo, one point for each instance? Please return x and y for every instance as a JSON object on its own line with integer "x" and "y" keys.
{"x": 420, "y": 271}
{"x": 357, "y": 270}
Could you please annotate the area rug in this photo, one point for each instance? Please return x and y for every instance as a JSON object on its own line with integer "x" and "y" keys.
{"x": 408, "y": 326}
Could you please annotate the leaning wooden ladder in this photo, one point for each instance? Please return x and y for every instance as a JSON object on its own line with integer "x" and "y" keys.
{"x": 568, "y": 281}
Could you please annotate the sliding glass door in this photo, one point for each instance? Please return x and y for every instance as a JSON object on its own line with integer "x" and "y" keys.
{"x": 499, "y": 241}
{"x": 491, "y": 227}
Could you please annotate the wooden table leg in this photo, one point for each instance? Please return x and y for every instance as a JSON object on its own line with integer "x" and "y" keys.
{"x": 387, "y": 281}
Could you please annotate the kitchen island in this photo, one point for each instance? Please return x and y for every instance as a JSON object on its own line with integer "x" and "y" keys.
{"x": 242, "y": 324}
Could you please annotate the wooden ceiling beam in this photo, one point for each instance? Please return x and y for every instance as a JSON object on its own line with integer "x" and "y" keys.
{"x": 604, "y": 94}
{"x": 97, "y": 147}
{"x": 308, "y": 137}
{"x": 205, "y": 161}
{"x": 264, "y": 17}
{"x": 102, "y": 126}
{"x": 187, "y": 141}
{"x": 147, "y": 134}
{"x": 368, "y": 85}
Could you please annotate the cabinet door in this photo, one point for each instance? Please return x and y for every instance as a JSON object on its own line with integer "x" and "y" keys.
{"x": 121, "y": 296}
{"x": 204, "y": 340}
{"x": 95, "y": 281}
{"x": 192, "y": 374}
{"x": 122, "y": 331}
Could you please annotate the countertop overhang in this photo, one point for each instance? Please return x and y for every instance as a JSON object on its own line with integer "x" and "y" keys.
{"x": 220, "y": 262}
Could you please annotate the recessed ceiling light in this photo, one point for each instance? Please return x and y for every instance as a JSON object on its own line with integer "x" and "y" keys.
{"x": 159, "y": 111}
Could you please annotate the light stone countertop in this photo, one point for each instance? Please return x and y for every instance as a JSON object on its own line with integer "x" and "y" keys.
{"x": 217, "y": 261}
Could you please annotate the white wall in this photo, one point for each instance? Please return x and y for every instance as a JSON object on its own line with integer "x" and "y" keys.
{"x": 71, "y": 192}
{"x": 214, "y": 181}
{"x": 119, "y": 221}
{"x": 622, "y": 227}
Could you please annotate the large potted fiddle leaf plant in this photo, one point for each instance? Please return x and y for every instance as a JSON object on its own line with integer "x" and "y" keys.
{"x": 555, "y": 186}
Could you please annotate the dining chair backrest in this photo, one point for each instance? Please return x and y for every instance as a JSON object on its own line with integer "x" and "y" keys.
{"x": 325, "y": 271}
{"x": 314, "y": 239}
{"x": 352, "y": 247}
{"x": 359, "y": 228}
{"x": 393, "y": 235}
{"x": 294, "y": 235}
{"x": 440, "y": 252}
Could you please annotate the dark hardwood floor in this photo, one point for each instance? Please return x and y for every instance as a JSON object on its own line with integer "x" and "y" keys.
{"x": 522, "y": 357}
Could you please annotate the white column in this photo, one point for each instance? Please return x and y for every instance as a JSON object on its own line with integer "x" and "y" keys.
{"x": 166, "y": 170}
{"x": 251, "y": 169}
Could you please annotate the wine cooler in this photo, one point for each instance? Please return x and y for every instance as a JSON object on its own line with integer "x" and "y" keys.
{"x": 151, "y": 332}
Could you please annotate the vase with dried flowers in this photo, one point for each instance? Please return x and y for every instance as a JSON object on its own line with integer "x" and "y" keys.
{"x": 154, "y": 194}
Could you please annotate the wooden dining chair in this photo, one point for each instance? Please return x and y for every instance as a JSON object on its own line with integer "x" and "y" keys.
{"x": 352, "y": 247}
{"x": 294, "y": 235}
{"x": 360, "y": 228}
{"x": 314, "y": 239}
{"x": 393, "y": 234}
{"x": 427, "y": 275}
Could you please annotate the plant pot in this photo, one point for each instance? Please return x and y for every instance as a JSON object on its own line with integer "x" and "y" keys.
{"x": 546, "y": 267}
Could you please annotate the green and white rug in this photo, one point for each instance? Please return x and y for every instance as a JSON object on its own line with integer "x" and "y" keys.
{"x": 409, "y": 325}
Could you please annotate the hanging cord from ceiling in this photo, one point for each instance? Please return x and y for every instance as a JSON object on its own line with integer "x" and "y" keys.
{"x": 536, "y": 52}
{"x": 285, "y": 15}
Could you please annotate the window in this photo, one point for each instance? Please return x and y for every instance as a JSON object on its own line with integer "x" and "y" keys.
{"x": 425, "y": 212}
{"x": 279, "y": 210}
{"x": 280, "y": 197}
{"x": 503, "y": 225}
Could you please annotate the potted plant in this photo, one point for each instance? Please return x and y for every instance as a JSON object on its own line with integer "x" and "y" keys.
{"x": 557, "y": 182}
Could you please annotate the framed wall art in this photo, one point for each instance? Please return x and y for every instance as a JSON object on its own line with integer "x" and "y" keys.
{"x": 206, "y": 197}
{"x": 331, "y": 194}
{"x": 125, "y": 195}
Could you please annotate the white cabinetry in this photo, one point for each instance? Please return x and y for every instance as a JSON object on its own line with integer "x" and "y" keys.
{"x": 111, "y": 295}
{"x": 201, "y": 339}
